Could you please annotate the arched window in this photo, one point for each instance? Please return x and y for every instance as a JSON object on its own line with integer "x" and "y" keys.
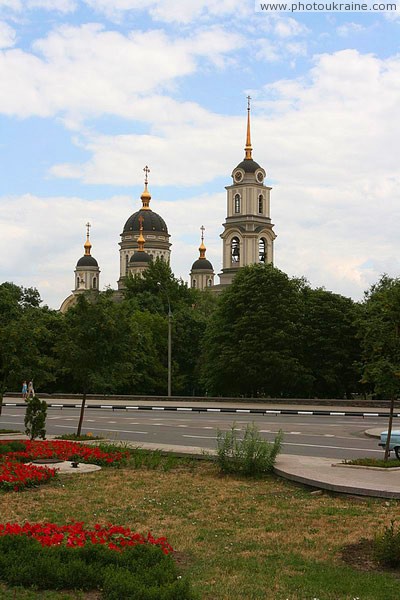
{"x": 262, "y": 250}
{"x": 260, "y": 204}
{"x": 237, "y": 203}
{"x": 162, "y": 257}
{"x": 235, "y": 250}
{"x": 193, "y": 283}
{"x": 126, "y": 263}
{"x": 77, "y": 281}
{"x": 94, "y": 283}
{"x": 209, "y": 283}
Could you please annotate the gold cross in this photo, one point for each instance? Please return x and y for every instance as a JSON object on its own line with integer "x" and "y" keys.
{"x": 202, "y": 228}
{"x": 147, "y": 171}
{"x": 88, "y": 226}
{"x": 248, "y": 102}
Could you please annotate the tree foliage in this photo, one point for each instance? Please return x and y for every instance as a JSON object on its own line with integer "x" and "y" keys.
{"x": 380, "y": 337}
{"x": 28, "y": 333}
{"x": 251, "y": 346}
{"x": 35, "y": 418}
{"x": 331, "y": 347}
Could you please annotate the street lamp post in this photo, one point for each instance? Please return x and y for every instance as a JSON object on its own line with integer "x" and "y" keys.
{"x": 169, "y": 349}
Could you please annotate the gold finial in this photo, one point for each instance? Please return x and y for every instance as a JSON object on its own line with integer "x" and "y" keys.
{"x": 146, "y": 196}
{"x": 202, "y": 247}
{"x": 141, "y": 239}
{"x": 248, "y": 149}
{"x": 87, "y": 245}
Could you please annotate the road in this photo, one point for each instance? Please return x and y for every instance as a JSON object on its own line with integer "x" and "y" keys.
{"x": 330, "y": 436}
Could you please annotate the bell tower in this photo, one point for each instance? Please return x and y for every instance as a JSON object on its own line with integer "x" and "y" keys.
{"x": 248, "y": 234}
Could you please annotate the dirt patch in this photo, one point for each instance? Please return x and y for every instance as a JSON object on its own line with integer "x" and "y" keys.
{"x": 360, "y": 556}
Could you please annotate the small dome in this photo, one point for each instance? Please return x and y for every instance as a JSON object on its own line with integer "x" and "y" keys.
{"x": 249, "y": 165}
{"x": 87, "y": 261}
{"x": 140, "y": 257}
{"x": 151, "y": 222}
{"x": 202, "y": 263}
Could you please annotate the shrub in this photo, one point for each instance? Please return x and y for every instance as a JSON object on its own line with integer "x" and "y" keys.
{"x": 387, "y": 546}
{"x": 142, "y": 571}
{"x": 251, "y": 455}
{"x": 11, "y": 446}
{"x": 35, "y": 418}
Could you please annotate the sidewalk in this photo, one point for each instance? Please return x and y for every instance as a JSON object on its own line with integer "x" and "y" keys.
{"x": 321, "y": 473}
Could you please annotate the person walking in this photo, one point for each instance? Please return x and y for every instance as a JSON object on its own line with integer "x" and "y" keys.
{"x": 24, "y": 390}
{"x": 31, "y": 391}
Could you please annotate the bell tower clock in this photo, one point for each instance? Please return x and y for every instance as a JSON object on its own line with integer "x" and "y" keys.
{"x": 248, "y": 234}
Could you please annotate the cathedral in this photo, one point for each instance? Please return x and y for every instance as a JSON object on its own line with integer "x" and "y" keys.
{"x": 247, "y": 238}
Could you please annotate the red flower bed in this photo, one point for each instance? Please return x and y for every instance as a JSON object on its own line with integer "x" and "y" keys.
{"x": 16, "y": 476}
{"x": 75, "y": 535}
{"x": 65, "y": 450}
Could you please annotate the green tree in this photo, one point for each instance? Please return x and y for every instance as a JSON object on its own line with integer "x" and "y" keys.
{"x": 35, "y": 418}
{"x": 157, "y": 291}
{"x": 27, "y": 336}
{"x": 331, "y": 347}
{"x": 252, "y": 345}
{"x": 380, "y": 340}
{"x": 96, "y": 346}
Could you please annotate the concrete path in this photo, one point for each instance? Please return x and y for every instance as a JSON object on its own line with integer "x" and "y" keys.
{"x": 320, "y": 473}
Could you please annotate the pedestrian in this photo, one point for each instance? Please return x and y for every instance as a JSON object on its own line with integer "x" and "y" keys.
{"x": 31, "y": 391}
{"x": 24, "y": 389}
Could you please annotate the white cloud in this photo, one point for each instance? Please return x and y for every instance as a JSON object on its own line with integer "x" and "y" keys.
{"x": 171, "y": 10}
{"x": 348, "y": 29}
{"x": 15, "y": 5}
{"x": 288, "y": 27}
{"x": 47, "y": 250}
{"x": 62, "y": 6}
{"x": 88, "y": 71}
{"x": 7, "y": 35}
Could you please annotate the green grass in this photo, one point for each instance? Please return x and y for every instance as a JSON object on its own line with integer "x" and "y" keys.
{"x": 79, "y": 438}
{"x": 236, "y": 538}
{"x": 9, "y": 431}
{"x": 373, "y": 462}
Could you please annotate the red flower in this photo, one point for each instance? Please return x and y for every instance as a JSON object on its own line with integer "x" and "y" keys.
{"x": 75, "y": 535}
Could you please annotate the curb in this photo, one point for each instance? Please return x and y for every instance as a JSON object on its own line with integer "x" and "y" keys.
{"x": 201, "y": 409}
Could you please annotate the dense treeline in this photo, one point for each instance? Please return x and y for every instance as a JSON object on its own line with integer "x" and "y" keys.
{"x": 266, "y": 335}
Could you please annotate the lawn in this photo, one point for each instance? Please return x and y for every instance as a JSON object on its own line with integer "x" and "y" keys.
{"x": 234, "y": 537}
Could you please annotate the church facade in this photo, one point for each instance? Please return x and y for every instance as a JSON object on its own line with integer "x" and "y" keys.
{"x": 248, "y": 235}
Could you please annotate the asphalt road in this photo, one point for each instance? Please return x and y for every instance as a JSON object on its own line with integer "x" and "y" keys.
{"x": 331, "y": 437}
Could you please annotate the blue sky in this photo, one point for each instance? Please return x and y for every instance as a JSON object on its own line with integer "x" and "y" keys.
{"x": 91, "y": 91}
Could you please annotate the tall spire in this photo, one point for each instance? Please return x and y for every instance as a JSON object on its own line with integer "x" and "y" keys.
{"x": 146, "y": 196}
{"x": 248, "y": 149}
{"x": 202, "y": 247}
{"x": 141, "y": 239}
{"x": 87, "y": 245}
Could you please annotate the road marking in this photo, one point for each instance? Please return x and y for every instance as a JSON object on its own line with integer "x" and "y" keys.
{"x": 331, "y": 447}
{"x": 202, "y": 437}
{"x": 332, "y": 435}
{"x": 183, "y": 425}
{"x": 294, "y": 432}
{"x": 108, "y": 430}
{"x": 112, "y": 422}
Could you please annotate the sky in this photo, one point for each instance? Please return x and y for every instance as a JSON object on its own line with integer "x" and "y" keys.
{"x": 91, "y": 91}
